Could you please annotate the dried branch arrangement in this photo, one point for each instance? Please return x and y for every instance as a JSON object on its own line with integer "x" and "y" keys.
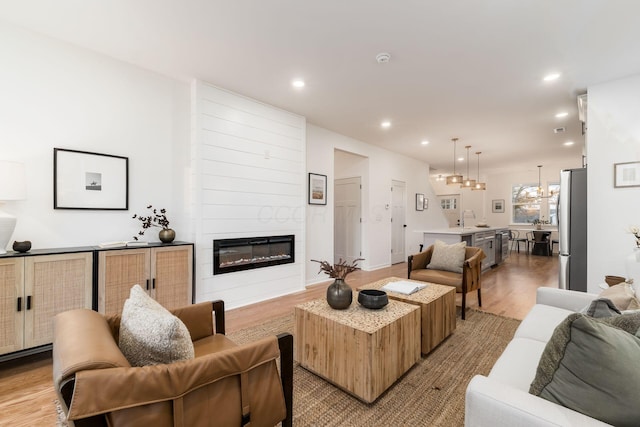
{"x": 340, "y": 270}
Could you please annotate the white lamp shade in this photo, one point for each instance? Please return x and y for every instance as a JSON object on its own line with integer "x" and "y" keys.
{"x": 12, "y": 181}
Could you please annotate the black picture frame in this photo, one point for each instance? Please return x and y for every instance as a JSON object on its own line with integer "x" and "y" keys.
{"x": 90, "y": 181}
{"x": 317, "y": 189}
{"x": 419, "y": 201}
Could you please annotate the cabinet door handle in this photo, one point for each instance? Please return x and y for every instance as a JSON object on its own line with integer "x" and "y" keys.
{"x": 153, "y": 283}
{"x": 147, "y": 284}
{"x": 19, "y": 303}
{"x": 29, "y": 302}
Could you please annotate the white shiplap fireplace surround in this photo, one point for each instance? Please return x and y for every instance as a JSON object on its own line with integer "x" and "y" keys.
{"x": 248, "y": 180}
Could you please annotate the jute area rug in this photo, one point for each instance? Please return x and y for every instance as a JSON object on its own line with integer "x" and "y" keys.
{"x": 430, "y": 394}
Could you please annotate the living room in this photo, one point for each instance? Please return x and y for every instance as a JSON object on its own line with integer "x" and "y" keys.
{"x": 59, "y": 95}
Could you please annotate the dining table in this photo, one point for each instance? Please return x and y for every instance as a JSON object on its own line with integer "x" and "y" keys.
{"x": 541, "y": 242}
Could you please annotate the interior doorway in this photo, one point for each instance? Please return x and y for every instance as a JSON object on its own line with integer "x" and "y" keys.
{"x": 398, "y": 221}
{"x": 450, "y": 204}
{"x": 347, "y": 228}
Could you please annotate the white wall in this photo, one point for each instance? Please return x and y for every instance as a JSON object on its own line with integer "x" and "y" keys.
{"x": 55, "y": 95}
{"x": 383, "y": 167}
{"x": 613, "y": 136}
{"x": 249, "y": 179}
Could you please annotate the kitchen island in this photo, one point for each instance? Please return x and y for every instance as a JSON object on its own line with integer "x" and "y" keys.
{"x": 492, "y": 240}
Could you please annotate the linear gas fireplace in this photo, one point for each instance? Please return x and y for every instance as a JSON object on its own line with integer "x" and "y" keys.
{"x": 231, "y": 255}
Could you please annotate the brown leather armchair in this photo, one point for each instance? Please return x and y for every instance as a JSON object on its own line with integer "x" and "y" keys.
{"x": 467, "y": 281}
{"x": 224, "y": 385}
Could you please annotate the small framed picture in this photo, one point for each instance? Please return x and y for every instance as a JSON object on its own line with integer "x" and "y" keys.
{"x": 426, "y": 203}
{"x": 84, "y": 180}
{"x": 626, "y": 174}
{"x": 317, "y": 189}
{"x": 497, "y": 205}
{"x": 419, "y": 201}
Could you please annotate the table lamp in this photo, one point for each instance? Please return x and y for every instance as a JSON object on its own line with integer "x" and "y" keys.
{"x": 12, "y": 187}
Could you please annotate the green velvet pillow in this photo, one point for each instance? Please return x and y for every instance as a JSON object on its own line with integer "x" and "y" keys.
{"x": 593, "y": 367}
{"x": 448, "y": 257}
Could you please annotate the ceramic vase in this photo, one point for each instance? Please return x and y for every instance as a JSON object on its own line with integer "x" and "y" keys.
{"x": 167, "y": 235}
{"x": 632, "y": 265}
{"x": 339, "y": 295}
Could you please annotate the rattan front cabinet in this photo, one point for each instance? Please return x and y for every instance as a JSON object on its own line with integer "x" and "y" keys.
{"x": 33, "y": 289}
{"x": 166, "y": 272}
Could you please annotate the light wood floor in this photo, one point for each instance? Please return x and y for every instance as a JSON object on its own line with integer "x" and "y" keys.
{"x": 26, "y": 390}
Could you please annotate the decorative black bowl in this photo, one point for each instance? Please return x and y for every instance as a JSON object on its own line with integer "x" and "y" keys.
{"x": 22, "y": 246}
{"x": 373, "y": 298}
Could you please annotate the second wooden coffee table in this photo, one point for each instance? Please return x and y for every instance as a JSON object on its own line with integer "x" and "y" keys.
{"x": 437, "y": 309}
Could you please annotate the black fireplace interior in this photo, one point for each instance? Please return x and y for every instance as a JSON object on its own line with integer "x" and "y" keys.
{"x": 231, "y": 255}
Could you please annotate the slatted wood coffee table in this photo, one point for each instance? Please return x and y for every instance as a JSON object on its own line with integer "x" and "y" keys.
{"x": 359, "y": 350}
{"x": 437, "y": 306}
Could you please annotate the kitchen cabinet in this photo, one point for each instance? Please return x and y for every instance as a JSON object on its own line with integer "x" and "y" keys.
{"x": 35, "y": 286}
{"x": 165, "y": 271}
{"x": 486, "y": 241}
{"x": 482, "y": 237}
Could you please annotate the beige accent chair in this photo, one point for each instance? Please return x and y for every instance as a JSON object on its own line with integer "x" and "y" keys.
{"x": 224, "y": 385}
{"x": 465, "y": 282}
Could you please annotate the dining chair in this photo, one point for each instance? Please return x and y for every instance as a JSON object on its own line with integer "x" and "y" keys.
{"x": 514, "y": 236}
{"x": 530, "y": 240}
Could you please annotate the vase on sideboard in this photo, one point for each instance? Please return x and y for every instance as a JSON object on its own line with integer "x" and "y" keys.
{"x": 167, "y": 235}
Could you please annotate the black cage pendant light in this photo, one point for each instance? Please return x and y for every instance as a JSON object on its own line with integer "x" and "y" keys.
{"x": 454, "y": 179}
{"x": 468, "y": 182}
{"x": 479, "y": 185}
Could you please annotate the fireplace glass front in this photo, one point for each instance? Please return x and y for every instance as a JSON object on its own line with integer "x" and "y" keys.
{"x": 231, "y": 255}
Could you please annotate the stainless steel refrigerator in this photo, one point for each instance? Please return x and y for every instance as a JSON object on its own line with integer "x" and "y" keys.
{"x": 572, "y": 229}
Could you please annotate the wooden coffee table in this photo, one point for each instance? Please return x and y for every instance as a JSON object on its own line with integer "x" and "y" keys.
{"x": 437, "y": 307}
{"x": 359, "y": 350}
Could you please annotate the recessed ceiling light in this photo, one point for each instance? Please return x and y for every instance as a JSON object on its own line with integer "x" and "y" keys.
{"x": 425, "y": 142}
{"x": 551, "y": 77}
{"x": 562, "y": 114}
{"x": 461, "y": 159}
{"x": 568, "y": 143}
{"x": 297, "y": 83}
{"x": 386, "y": 124}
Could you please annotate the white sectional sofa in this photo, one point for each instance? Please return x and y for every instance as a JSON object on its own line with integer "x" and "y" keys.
{"x": 502, "y": 398}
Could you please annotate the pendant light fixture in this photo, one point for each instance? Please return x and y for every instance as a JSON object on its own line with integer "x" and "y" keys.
{"x": 454, "y": 179}
{"x": 540, "y": 191}
{"x": 468, "y": 182}
{"x": 479, "y": 185}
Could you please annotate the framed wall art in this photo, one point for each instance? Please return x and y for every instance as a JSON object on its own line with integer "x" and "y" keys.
{"x": 626, "y": 174}
{"x": 419, "y": 201}
{"x": 497, "y": 205}
{"x": 317, "y": 189}
{"x": 84, "y": 180}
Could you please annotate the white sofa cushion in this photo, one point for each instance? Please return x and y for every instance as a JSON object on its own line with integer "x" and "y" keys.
{"x": 540, "y": 322}
{"x": 517, "y": 364}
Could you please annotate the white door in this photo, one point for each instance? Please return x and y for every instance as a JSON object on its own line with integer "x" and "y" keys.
{"x": 398, "y": 226}
{"x": 450, "y": 204}
{"x": 347, "y": 219}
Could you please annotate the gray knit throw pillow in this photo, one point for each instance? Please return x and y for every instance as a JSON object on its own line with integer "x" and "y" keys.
{"x": 149, "y": 334}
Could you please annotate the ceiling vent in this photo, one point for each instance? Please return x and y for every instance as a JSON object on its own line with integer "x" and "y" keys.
{"x": 559, "y": 130}
{"x": 383, "y": 58}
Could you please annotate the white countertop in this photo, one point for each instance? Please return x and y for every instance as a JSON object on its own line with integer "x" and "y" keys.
{"x": 460, "y": 230}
